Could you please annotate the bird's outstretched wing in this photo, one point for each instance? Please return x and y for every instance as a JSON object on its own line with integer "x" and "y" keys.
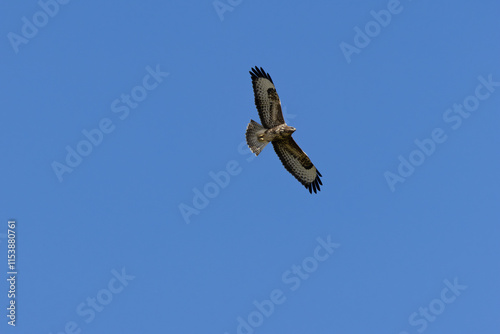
{"x": 267, "y": 100}
{"x": 298, "y": 163}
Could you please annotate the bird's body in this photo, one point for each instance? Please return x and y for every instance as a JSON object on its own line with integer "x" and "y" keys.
{"x": 275, "y": 130}
{"x": 279, "y": 132}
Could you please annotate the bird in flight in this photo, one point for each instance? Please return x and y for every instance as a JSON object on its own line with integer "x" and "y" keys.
{"x": 275, "y": 130}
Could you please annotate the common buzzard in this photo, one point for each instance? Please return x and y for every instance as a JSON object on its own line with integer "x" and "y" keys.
{"x": 275, "y": 130}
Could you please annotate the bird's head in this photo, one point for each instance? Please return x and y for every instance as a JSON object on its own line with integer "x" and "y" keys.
{"x": 289, "y": 130}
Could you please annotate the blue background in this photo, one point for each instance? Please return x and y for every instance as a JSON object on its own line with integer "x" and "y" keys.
{"x": 120, "y": 207}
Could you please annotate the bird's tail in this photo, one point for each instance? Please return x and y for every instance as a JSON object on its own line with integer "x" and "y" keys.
{"x": 254, "y": 131}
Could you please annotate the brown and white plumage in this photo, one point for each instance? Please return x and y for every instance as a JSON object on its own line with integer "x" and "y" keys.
{"x": 267, "y": 100}
{"x": 275, "y": 130}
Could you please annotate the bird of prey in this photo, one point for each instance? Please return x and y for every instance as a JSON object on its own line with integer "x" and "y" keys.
{"x": 275, "y": 130}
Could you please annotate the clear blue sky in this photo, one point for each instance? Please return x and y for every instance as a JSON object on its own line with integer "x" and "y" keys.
{"x": 115, "y": 117}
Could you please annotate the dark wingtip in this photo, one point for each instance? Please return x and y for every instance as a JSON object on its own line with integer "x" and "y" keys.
{"x": 260, "y": 73}
{"x": 315, "y": 185}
